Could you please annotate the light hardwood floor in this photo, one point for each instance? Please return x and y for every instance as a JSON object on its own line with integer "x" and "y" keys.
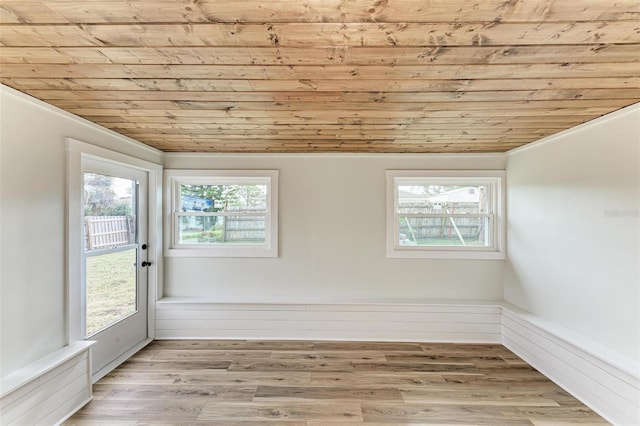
{"x": 314, "y": 383}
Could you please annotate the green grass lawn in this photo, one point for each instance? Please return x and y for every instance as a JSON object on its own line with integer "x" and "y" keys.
{"x": 111, "y": 288}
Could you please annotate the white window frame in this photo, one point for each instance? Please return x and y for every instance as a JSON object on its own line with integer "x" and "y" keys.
{"x": 495, "y": 179}
{"x": 175, "y": 177}
{"x": 77, "y": 154}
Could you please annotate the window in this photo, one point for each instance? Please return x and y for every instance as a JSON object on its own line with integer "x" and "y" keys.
{"x": 445, "y": 214}
{"x": 222, "y": 213}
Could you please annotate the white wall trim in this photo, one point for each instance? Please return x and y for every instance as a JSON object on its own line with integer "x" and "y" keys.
{"x": 76, "y": 151}
{"x": 174, "y": 178}
{"x": 604, "y": 381}
{"x": 494, "y": 179}
{"x": 593, "y": 122}
{"x": 50, "y": 389}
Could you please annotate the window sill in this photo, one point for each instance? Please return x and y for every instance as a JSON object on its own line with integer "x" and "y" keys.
{"x": 222, "y": 252}
{"x": 446, "y": 254}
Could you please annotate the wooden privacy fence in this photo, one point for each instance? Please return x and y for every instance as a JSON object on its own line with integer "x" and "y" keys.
{"x": 107, "y": 231}
{"x": 441, "y": 227}
{"x": 244, "y": 229}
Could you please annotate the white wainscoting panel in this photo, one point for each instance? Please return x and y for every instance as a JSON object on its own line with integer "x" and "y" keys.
{"x": 608, "y": 385}
{"x": 178, "y": 318}
{"x": 49, "y": 390}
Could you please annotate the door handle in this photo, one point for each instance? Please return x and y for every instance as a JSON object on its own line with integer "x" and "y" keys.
{"x": 145, "y": 263}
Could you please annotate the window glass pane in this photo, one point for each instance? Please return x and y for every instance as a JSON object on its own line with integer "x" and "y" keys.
{"x": 443, "y": 199}
{"x": 221, "y": 230}
{"x": 110, "y": 250}
{"x": 109, "y": 211}
{"x": 444, "y": 231}
{"x": 223, "y": 198}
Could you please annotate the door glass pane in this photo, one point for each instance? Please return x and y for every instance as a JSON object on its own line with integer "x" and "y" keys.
{"x": 110, "y": 250}
{"x": 111, "y": 288}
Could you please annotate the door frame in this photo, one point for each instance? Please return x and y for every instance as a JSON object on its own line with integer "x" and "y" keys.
{"x": 77, "y": 151}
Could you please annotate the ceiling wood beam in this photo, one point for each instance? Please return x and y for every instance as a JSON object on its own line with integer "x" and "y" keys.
{"x": 322, "y": 34}
{"x": 312, "y": 11}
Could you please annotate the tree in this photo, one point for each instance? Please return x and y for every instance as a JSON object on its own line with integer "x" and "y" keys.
{"x": 209, "y": 194}
{"x": 101, "y": 200}
{"x": 98, "y": 195}
{"x": 252, "y": 196}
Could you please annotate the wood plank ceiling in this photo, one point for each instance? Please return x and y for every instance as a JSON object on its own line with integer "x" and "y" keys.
{"x": 326, "y": 75}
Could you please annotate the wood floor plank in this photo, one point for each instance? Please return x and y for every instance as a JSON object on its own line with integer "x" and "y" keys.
{"x": 442, "y": 359}
{"x": 80, "y": 422}
{"x": 462, "y": 348}
{"x": 203, "y": 355}
{"x": 442, "y": 396}
{"x": 291, "y": 365}
{"x": 145, "y": 365}
{"x": 430, "y": 413}
{"x": 149, "y": 410}
{"x": 140, "y": 378}
{"x": 229, "y": 423}
{"x": 228, "y": 383}
{"x": 176, "y": 392}
{"x": 393, "y": 380}
{"x": 287, "y": 393}
{"x": 331, "y": 355}
{"x": 415, "y": 366}
{"x": 253, "y": 378}
{"x": 327, "y": 411}
{"x": 572, "y": 415}
{"x": 496, "y": 377}
{"x": 366, "y": 346}
{"x": 239, "y": 345}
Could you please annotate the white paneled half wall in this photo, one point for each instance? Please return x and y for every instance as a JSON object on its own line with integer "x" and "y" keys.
{"x": 183, "y": 318}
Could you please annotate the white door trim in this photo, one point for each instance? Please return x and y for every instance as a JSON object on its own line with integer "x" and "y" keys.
{"x": 76, "y": 152}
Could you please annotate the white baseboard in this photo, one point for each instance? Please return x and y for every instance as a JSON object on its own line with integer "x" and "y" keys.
{"x": 612, "y": 389}
{"x": 48, "y": 390}
{"x": 357, "y": 320}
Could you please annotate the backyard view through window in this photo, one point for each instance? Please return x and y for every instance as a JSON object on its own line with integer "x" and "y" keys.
{"x": 110, "y": 250}
{"x": 445, "y": 214}
{"x": 222, "y": 214}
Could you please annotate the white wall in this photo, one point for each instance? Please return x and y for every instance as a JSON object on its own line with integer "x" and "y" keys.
{"x": 332, "y": 236}
{"x": 32, "y": 218}
{"x": 574, "y": 231}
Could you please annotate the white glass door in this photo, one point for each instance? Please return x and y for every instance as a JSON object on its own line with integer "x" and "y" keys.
{"x": 114, "y": 267}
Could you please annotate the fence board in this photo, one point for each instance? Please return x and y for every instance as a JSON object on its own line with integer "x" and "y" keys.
{"x": 106, "y": 231}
